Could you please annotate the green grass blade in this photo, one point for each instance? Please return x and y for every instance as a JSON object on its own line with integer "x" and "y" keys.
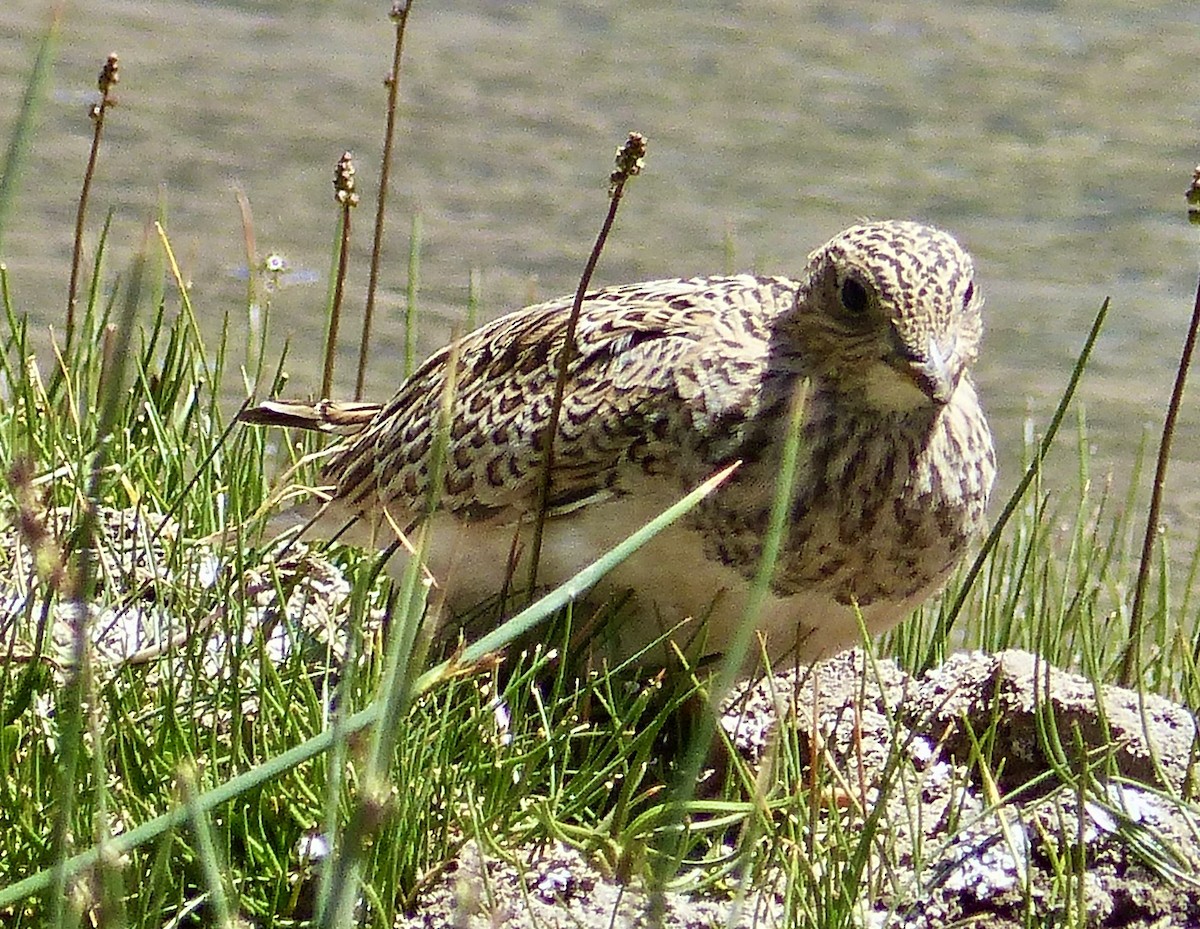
{"x": 540, "y": 610}
{"x": 941, "y": 633}
{"x": 18, "y": 143}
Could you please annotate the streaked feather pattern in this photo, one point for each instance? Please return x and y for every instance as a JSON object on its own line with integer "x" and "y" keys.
{"x": 673, "y": 379}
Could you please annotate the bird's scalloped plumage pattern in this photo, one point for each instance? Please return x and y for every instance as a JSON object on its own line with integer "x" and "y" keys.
{"x": 672, "y": 379}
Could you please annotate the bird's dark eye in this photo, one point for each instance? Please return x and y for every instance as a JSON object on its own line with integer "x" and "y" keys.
{"x": 968, "y": 294}
{"x": 853, "y": 296}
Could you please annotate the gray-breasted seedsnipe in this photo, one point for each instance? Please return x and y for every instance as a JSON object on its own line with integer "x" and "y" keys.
{"x": 672, "y": 380}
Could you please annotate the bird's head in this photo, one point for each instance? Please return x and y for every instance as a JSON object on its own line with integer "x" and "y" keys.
{"x": 888, "y": 316}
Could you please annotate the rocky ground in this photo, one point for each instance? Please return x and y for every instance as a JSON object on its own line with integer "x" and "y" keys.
{"x": 964, "y": 848}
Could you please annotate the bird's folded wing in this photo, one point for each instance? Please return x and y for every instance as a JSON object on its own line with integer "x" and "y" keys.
{"x": 632, "y": 382}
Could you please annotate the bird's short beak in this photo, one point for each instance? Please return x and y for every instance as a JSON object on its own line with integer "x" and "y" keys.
{"x": 932, "y": 373}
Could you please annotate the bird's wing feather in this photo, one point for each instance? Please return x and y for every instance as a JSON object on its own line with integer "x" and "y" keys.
{"x": 644, "y": 369}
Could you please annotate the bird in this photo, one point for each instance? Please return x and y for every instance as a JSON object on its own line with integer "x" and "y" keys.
{"x": 670, "y": 381}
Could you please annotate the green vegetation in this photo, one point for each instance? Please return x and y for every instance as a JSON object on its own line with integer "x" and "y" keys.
{"x": 173, "y": 733}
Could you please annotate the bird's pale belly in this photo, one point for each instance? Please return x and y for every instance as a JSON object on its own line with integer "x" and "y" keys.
{"x": 678, "y": 592}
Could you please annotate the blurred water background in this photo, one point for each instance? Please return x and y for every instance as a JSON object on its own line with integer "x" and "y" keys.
{"x": 1056, "y": 139}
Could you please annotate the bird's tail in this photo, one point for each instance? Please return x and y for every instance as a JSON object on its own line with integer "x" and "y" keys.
{"x": 338, "y": 417}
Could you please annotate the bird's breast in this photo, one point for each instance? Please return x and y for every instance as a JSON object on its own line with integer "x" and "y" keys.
{"x": 883, "y": 506}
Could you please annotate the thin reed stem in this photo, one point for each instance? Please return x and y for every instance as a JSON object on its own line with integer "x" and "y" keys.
{"x": 405, "y": 608}
{"x": 733, "y": 663}
{"x": 248, "y": 242}
{"x": 399, "y": 16}
{"x": 80, "y": 580}
{"x": 411, "y": 295}
{"x": 473, "y": 299}
{"x": 207, "y": 854}
{"x": 629, "y": 162}
{"x": 109, "y": 76}
{"x": 343, "y": 187}
{"x": 1130, "y": 659}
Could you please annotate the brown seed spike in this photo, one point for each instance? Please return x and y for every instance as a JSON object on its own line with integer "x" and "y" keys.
{"x": 1193, "y": 198}
{"x": 343, "y": 180}
{"x": 110, "y": 75}
{"x": 631, "y": 158}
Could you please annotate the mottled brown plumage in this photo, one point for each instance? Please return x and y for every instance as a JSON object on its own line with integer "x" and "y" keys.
{"x": 671, "y": 380}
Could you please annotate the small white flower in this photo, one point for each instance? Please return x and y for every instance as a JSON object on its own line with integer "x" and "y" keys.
{"x": 210, "y": 570}
{"x": 503, "y": 720}
{"x": 313, "y": 847}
